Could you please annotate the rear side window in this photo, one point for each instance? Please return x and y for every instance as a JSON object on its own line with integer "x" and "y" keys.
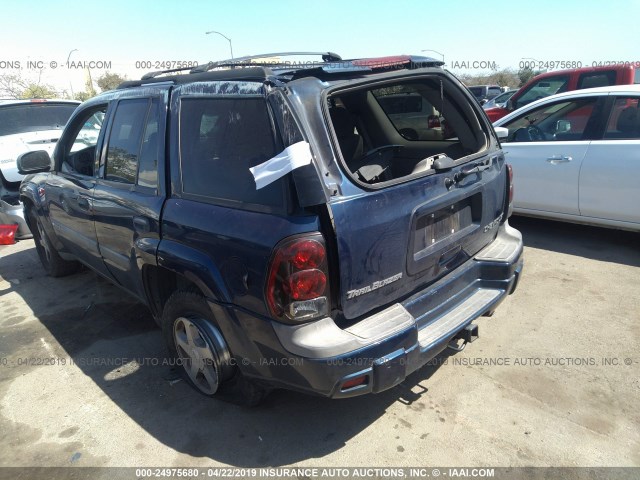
{"x": 220, "y": 139}
{"x": 133, "y": 149}
{"x": 125, "y": 139}
{"x": 600, "y": 79}
{"x": 149, "y": 151}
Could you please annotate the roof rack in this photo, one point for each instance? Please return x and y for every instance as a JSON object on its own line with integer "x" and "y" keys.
{"x": 243, "y": 61}
{"x": 248, "y": 60}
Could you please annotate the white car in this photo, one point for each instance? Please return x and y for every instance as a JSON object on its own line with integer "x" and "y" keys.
{"x": 26, "y": 125}
{"x": 576, "y": 156}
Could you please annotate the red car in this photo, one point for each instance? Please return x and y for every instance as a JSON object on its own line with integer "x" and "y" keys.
{"x": 559, "y": 81}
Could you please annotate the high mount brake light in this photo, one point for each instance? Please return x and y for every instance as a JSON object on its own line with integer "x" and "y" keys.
{"x": 382, "y": 62}
{"x": 297, "y": 284}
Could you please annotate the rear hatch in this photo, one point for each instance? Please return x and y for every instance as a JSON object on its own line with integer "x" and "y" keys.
{"x": 423, "y": 189}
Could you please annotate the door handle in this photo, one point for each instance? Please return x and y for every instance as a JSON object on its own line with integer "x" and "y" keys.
{"x": 556, "y": 159}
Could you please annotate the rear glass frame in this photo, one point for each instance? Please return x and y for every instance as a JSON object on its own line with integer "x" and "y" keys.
{"x": 488, "y": 138}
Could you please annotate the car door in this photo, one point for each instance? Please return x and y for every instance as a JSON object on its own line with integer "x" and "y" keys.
{"x": 69, "y": 192}
{"x": 546, "y": 145}
{"x": 609, "y": 176}
{"x": 129, "y": 194}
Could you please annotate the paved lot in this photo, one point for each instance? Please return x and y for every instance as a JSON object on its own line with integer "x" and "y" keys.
{"x": 546, "y": 383}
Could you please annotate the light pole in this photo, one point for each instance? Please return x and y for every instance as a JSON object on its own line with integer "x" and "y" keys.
{"x": 224, "y": 36}
{"x": 68, "y": 57}
{"x": 435, "y": 51}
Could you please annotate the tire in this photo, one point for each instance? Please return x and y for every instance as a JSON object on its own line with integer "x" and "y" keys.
{"x": 197, "y": 344}
{"x": 53, "y": 263}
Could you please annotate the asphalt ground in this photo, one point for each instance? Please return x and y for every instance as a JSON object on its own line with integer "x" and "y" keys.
{"x": 553, "y": 379}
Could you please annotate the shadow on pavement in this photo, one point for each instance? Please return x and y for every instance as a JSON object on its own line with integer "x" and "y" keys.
{"x": 102, "y": 330}
{"x": 596, "y": 243}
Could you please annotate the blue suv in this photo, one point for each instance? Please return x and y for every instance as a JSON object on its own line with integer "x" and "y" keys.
{"x": 325, "y": 226}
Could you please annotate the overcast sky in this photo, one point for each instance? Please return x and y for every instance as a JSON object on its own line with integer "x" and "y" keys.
{"x": 471, "y": 35}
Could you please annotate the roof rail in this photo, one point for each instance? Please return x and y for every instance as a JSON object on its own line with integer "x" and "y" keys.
{"x": 157, "y": 73}
{"x": 241, "y": 61}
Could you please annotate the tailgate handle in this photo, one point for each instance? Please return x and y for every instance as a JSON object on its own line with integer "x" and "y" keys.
{"x": 448, "y": 256}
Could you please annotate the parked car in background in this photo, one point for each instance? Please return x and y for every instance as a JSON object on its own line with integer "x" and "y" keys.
{"x": 551, "y": 83}
{"x": 484, "y": 93}
{"x": 277, "y": 223}
{"x": 500, "y": 100}
{"x": 26, "y": 125}
{"x": 576, "y": 156}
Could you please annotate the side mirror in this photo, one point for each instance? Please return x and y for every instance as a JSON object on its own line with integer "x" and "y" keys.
{"x": 501, "y": 132}
{"x": 510, "y": 106}
{"x": 563, "y": 126}
{"x": 34, "y": 162}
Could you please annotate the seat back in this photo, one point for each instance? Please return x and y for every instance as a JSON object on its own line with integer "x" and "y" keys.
{"x": 351, "y": 143}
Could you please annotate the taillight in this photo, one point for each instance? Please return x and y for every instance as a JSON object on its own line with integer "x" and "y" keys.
{"x": 298, "y": 280}
{"x": 510, "y": 186}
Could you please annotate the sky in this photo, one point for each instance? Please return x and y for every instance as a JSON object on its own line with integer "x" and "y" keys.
{"x": 470, "y": 35}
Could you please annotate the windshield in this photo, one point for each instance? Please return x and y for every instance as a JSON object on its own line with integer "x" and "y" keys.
{"x": 33, "y": 117}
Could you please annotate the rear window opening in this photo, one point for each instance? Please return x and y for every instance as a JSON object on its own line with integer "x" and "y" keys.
{"x": 392, "y": 131}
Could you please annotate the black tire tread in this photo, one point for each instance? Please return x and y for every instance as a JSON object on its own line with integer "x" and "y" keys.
{"x": 56, "y": 266}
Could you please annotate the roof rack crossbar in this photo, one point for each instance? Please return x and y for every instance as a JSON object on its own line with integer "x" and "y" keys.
{"x": 326, "y": 57}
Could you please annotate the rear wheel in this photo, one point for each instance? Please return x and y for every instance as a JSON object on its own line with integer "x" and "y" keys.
{"x": 198, "y": 345}
{"x": 51, "y": 260}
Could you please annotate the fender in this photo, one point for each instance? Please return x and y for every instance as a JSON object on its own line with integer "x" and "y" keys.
{"x": 196, "y": 267}
{"x": 30, "y": 191}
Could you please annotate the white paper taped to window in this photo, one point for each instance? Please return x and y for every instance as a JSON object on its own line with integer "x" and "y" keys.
{"x": 292, "y": 157}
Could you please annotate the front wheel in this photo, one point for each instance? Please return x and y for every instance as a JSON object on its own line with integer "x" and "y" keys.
{"x": 197, "y": 344}
{"x": 53, "y": 263}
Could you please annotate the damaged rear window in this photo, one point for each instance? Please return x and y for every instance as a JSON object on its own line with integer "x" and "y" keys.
{"x": 392, "y": 131}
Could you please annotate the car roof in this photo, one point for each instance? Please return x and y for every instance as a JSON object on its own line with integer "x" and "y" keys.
{"x": 259, "y": 68}
{"x": 612, "y": 89}
{"x": 12, "y": 101}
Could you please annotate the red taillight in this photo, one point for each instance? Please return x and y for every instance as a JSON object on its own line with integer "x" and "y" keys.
{"x": 307, "y": 284}
{"x": 297, "y": 287}
{"x": 307, "y": 254}
{"x": 8, "y": 234}
{"x": 510, "y": 186}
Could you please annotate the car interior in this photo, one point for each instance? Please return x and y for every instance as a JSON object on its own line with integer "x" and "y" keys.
{"x": 383, "y": 137}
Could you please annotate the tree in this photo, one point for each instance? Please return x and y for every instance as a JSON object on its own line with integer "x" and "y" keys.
{"x": 505, "y": 78}
{"x": 526, "y": 74}
{"x": 14, "y": 86}
{"x": 110, "y": 81}
{"x": 38, "y": 91}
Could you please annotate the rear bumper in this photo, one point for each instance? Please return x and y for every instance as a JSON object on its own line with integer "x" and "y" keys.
{"x": 384, "y": 348}
{"x": 14, "y": 215}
